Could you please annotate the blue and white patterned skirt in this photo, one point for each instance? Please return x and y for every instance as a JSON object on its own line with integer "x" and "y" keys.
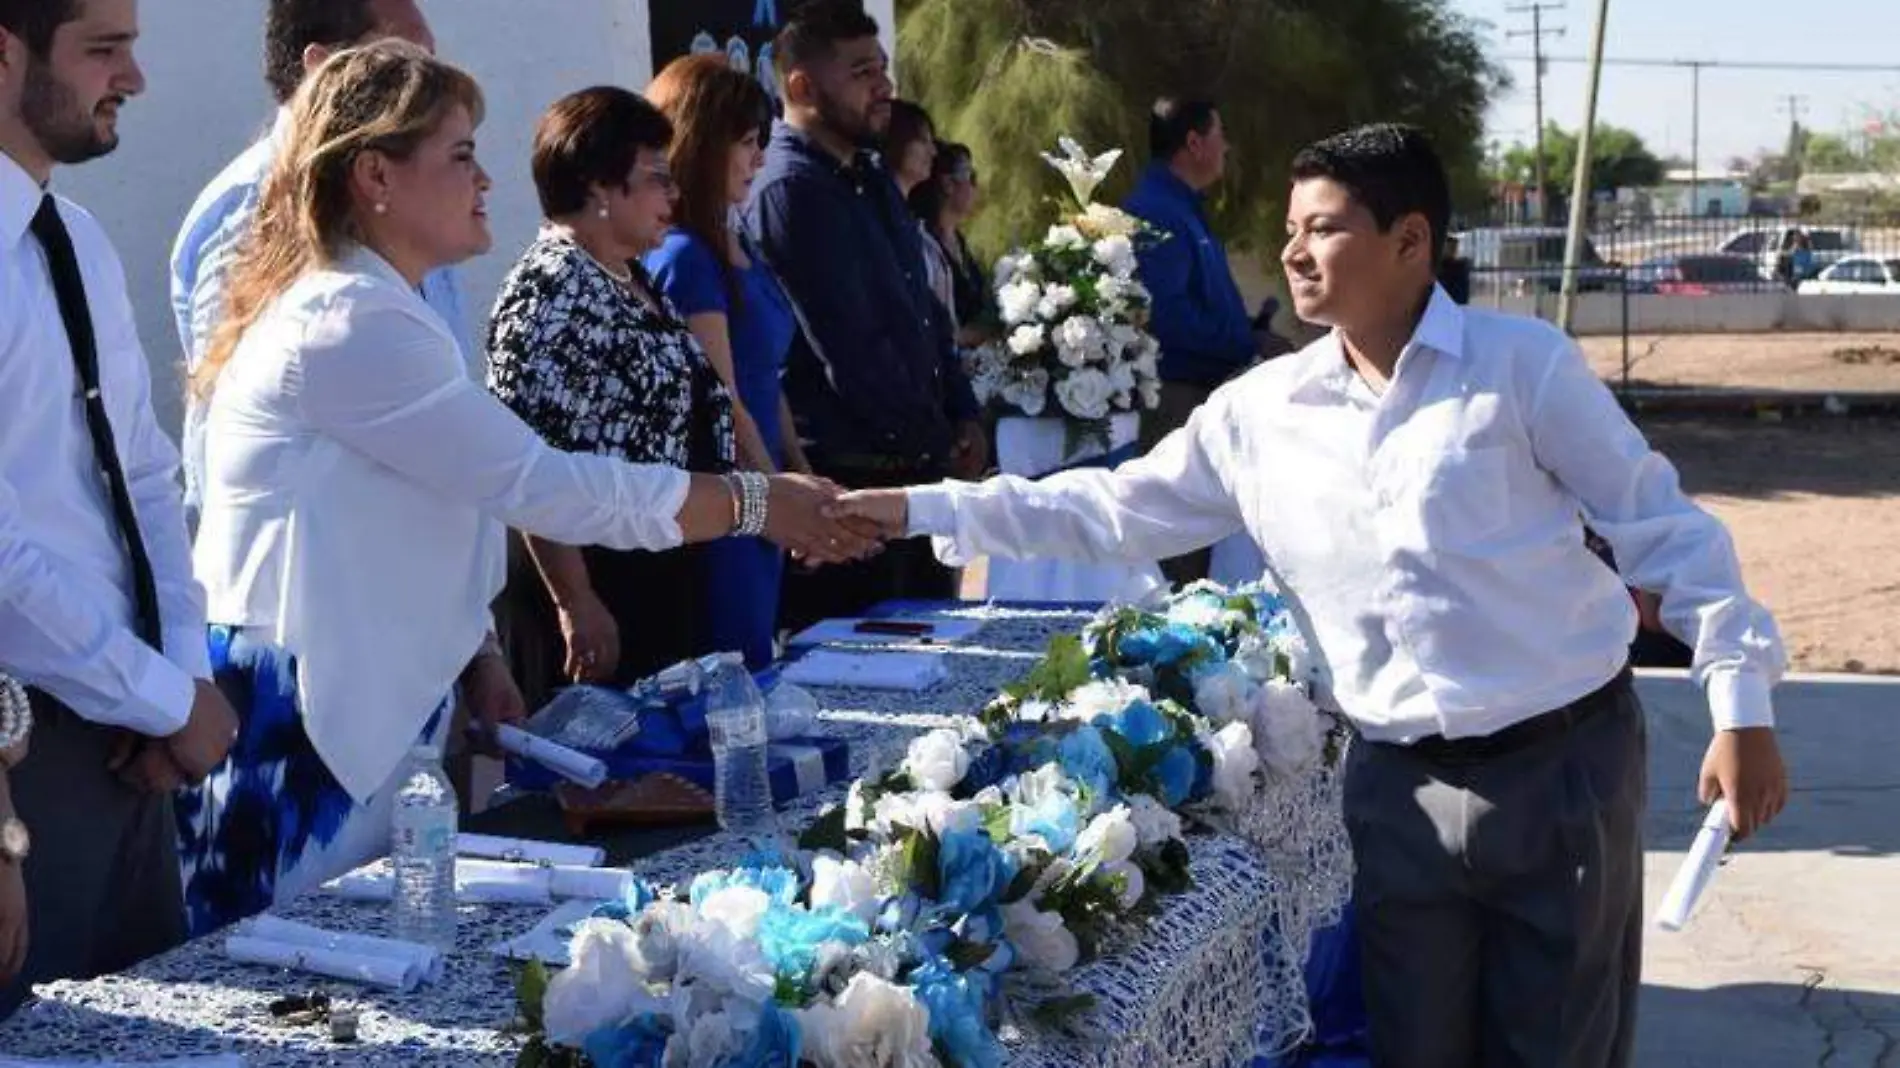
{"x": 272, "y": 822}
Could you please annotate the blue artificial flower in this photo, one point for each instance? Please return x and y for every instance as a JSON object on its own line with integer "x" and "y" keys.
{"x": 972, "y": 872}
{"x": 1141, "y": 723}
{"x": 1176, "y": 774}
{"x": 789, "y": 936}
{"x": 633, "y": 901}
{"x": 958, "y": 1020}
{"x": 777, "y": 1043}
{"x": 1054, "y": 818}
{"x": 637, "y": 1043}
{"x": 987, "y": 768}
{"x": 1166, "y": 643}
{"x": 779, "y": 884}
{"x": 1086, "y": 758}
{"x": 899, "y": 913}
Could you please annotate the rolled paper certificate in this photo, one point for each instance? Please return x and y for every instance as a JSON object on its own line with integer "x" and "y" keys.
{"x": 267, "y": 928}
{"x": 392, "y": 972}
{"x": 568, "y": 763}
{"x": 528, "y": 850}
{"x": 591, "y": 884}
{"x": 1696, "y": 871}
{"x": 477, "y": 882}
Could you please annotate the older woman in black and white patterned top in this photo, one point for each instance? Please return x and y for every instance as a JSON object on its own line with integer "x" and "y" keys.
{"x": 585, "y": 350}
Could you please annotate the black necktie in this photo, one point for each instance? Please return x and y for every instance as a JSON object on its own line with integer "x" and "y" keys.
{"x": 70, "y": 289}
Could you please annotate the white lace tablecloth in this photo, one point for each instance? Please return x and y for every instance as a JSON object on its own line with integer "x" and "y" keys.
{"x": 1210, "y": 980}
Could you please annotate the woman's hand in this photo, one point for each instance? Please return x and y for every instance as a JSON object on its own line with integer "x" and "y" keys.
{"x": 489, "y": 691}
{"x": 592, "y": 637}
{"x": 12, "y": 921}
{"x": 796, "y": 518}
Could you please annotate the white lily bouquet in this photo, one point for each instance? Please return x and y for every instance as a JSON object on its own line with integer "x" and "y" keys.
{"x": 1075, "y": 314}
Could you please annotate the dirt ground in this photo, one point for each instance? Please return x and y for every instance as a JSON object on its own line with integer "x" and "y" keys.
{"x": 1791, "y": 362}
{"x": 1814, "y": 507}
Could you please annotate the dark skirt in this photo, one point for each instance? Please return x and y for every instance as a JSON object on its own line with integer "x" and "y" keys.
{"x": 657, "y": 600}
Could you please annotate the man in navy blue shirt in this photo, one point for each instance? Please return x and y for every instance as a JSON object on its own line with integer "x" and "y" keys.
{"x": 874, "y": 379}
{"x": 1199, "y": 318}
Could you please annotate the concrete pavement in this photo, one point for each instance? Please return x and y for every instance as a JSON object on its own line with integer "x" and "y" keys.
{"x": 1793, "y": 958}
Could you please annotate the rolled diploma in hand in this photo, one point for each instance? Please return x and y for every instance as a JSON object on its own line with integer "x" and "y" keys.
{"x": 1696, "y": 871}
{"x": 571, "y": 764}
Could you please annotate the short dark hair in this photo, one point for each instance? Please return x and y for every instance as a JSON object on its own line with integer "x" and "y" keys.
{"x": 591, "y": 138}
{"x": 1172, "y": 119}
{"x": 909, "y": 123}
{"x": 1391, "y": 169}
{"x": 294, "y": 25}
{"x": 816, "y": 30}
{"x": 35, "y": 21}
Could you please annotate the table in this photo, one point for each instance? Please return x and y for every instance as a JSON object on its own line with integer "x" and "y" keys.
{"x": 1198, "y": 986}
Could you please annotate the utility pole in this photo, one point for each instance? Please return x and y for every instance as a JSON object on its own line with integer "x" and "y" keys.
{"x": 1580, "y": 193}
{"x": 1795, "y": 104}
{"x": 1537, "y": 33}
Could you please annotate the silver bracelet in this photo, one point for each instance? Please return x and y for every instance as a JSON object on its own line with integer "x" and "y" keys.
{"x": 16, "y": 713}
{"x": 750, "y": 491}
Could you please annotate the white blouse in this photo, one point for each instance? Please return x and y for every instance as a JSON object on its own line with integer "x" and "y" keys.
{"x": 357, "y": 486}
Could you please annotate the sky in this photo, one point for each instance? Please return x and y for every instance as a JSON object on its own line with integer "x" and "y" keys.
{"x": 1742, "y": 110}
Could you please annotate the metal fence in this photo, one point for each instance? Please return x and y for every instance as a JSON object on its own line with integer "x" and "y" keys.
{"x": 1688, "y": 255}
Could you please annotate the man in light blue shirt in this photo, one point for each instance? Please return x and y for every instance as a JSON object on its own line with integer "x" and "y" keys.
{"x": 299, "y": 35}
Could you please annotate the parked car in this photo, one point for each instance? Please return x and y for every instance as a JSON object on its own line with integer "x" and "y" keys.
{"x": 1857, "y": 274}
{"x": 1771, "y": 248}
{"x": 1697, "y": 275}
{"x": 1530, "y": 258}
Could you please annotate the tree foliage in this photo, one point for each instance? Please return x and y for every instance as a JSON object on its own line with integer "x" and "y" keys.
{"x": 1010, "y": 76}
{"x": 1622, "y": 161}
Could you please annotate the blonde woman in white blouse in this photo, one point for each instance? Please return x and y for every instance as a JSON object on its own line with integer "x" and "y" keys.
{"x": 358, "y": 483}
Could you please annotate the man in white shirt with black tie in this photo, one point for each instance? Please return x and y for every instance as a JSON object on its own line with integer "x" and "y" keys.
{"x": 1417, "y": 481}
{"x": 99, "y": 612}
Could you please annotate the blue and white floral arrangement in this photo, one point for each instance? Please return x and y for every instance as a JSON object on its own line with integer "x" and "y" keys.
{"x": 946, "y": 898}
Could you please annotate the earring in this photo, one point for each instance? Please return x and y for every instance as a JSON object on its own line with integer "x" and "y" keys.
{"x": 603, "y": 213}
{"x": 381, "y": 208}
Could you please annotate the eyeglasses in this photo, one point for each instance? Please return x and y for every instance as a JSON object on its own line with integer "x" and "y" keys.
{"x": 658, "y": 177}
{"x": 968, "y": 175}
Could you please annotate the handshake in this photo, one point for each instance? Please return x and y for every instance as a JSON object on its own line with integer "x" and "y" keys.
{"x": 820, "y": 522}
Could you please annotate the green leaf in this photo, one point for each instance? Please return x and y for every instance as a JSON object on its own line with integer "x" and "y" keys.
{"x": 826, "y": 832}
{"x": 1166, "y": 868}
{"x": 531, "y": 989}
{"x": 1025, "y": 880}
{"x": 917, "y": 861}
{"x": 964, "y": 955}
{"x": 996, "y": 822}
{"x": 1061, "y": 1013}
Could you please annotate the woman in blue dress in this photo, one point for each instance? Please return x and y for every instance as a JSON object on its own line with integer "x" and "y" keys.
{"x": 736, "y": 309}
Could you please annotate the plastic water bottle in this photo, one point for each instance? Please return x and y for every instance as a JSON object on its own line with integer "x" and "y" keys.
{"x": 735, "y": 716}
{"x": 422, "y": 849}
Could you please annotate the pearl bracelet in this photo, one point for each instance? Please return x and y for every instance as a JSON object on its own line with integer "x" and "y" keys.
{"x": 16, "y": 713}
{"x": 750, "y": 492}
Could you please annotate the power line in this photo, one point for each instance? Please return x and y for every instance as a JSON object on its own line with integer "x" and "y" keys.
{"x": 1716, "y": 64}
{"x": 1537, "y": 33}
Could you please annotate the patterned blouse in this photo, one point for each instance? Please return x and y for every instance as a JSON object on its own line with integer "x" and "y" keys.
{"x": 594, "y": 369}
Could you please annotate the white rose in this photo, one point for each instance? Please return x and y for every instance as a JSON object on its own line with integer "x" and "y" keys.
{"x": 1155, "y": 823}
{"x": 1028, "y": 392}
{"x": 1040, "y": 939}
{"x": 710, "y": 1041}
{"x": 1080, "y": 339}
{"x": 1018, "y": 301}
{"x": 1235, "y": 762}
{"x": 854, "y": 817}
{"x": 1101, "y": 697}
{"x": 736, "y": 908}
{"x": 1121, "y": 378}
{"x": 1063, "y": 236}
{"x": 655, "y": 953}
{"x": 600, "y": 986}
{"x": 843, "y": 884}
{"x": 1147, "y": 362}
{"x": 1012, "y": 269}
{"x": 717, "y": 959}
{"x": 945, "y": 816}
{"x": 1291, "y": 733}
{"x": 1085, "y": 394}
{"x": 1225, "y": 694}
{"x": 1302, "y": 665}
{"x": 1117, "y": 253}
{"x": 1055, "y": 300}
{"x": 1028, "y": 339}
{"x": 872, "y": 1024}
{"x": 1134, "y": 883}
{"x": 937, "y": 760}
{"x": 1110, "y": 838}
{"x": 1150, "y": 394}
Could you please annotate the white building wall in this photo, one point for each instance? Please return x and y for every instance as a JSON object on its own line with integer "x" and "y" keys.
{"x": 206, "y": 100}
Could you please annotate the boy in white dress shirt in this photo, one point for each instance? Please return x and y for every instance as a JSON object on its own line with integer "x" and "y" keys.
{"x": 1417, "y": 481}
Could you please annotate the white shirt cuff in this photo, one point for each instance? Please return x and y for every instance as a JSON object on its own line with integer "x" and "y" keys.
{"x": 190, "y": 649}
{"x": 160, "y": 704}
{"x": 933, "y": 511}
{"x": 1739, "y": 699}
